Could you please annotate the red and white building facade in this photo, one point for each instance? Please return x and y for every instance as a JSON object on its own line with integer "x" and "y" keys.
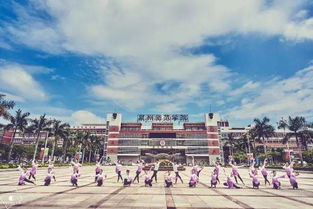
{"x": 130, "y": 141}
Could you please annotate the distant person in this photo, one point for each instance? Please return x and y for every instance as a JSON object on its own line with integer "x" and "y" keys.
{"x": 177, "y": 176}
{"x": 217, "y": 168}
{"x": 275, "y": 180}
{"x": 76, "y": 167}
{"x": 254, "y": 176}
{"x": 49, "y": 177}
{"x": 194, "y": 179}
{"x": 127, "y": 179}
{"x": 74, "y": 178}
{"x": 155, "y": 171}
{"x": 22, "y": 179}
{"x": 264, "y": 172}
{"x": 97, "y": 170}
{"x": 235, "y": 172}
{"x": 139, "y": 170}
{"x": 168, "y": 179}
{"x": 293, "y": 180}
{"x": 288, "y": 167}
{"x": 118, "y": 170}
{"x": 50, "y": 166}
{"x": 100, "y": 178}
{"x": 33, "y": 170}
{"x": 230, "y": 182}
{"x": 214, "y": 178}
{"x": 148, "y": 180}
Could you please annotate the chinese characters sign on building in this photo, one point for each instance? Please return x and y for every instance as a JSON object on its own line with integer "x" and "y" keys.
{"x": 162, "y": 118}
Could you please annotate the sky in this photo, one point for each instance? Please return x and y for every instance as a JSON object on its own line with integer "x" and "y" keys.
{"x": 78, "y": 60}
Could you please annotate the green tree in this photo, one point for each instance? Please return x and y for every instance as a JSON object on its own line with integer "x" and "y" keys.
{"x": 94, "y": 145}
{"x": 68, "y": 140}
{"x": 37, "y": 126}
{"x": 5, "y": 105}
{"x": 59, "y": 131}
{"x": 262, "y": 130}
{"x": 17, "y": 122}
{"x": 229, "y": 141}
{"x": 296, "y": 125}
{"x": 282, "y": 124}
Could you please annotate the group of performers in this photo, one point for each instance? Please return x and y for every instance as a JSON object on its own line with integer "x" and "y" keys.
{"x": 231, "y": 178}
{"x": 27, "y": 175}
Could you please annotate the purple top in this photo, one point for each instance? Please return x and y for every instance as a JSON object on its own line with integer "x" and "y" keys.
{"x": 74, "y": 177}
{"x": 235, "y": 171}
{"x": 255, "y": 179}
{"x": 147, "y": 178}
{"x": 264, "y": 172}
{"x": 288, "y": 171}
{"x": 292, "y": 179}
{"x": 214, "y": 178}
{"x": 98, "y": 168}
{"x": 168, "y": 178}
{"x": 48, "y": 177}
{"x": 33, "y": 169}
{"x": 194, "y": 170}
{"x": 275, "y": 180}
{"x": 21, "y": 180}
{"x": 230, "y": 183}
{"x": 100, "y": 178}
{"x": 194, "y": 178}
{"x": 76, "y": 167}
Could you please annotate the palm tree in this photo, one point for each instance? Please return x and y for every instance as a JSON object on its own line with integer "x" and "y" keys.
{"x": 5, "y": 106}
{"x": 296, "y": 125}
{"x": 262, "y": 131}
{"x": 17, "y": 122}
{"x": 59, "y": 130}
{"x": 95, "y": 144}
{"x": 230, "y": 141}
{"x": 39, "y": 125}
{"x": 282, "y": 124}
{"x": 245, "y": 142}
{"x": 67, "y": 141}
{"x": 306, "y": 137}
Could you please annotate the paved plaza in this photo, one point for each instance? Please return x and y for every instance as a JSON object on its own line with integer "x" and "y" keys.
{"x": 61, "y": 194}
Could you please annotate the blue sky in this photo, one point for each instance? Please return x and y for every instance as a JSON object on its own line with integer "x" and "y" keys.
{"x": 79, "y": 61}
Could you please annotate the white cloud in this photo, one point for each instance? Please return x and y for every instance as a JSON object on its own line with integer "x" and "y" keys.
{"x": 138, "y": 28}
{"x": 82, "y": 116}
{"x": 279, "y": 97}
{"x": 74, "y": 118}
{"x": 249, "y": 86}
{"x": 12, "y": 97}
{"x": 146, "y": 38}
{"x": 18, "y": 82}
{"x": 168, "y": 108}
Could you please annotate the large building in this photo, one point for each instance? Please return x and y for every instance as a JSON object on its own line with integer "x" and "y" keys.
{"x": 130, "y": 141}
{"x": 170, "y": 134}
{"x": 23, "y": 138}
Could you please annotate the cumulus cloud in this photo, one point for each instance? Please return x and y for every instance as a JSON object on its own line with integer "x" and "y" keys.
{"x": 21, "y": 84}
{"x": 147, "y": 39}
{"x": 74, "y": 118}
{"x": 82, "y": 117}
{"x": 279, "y": 97}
